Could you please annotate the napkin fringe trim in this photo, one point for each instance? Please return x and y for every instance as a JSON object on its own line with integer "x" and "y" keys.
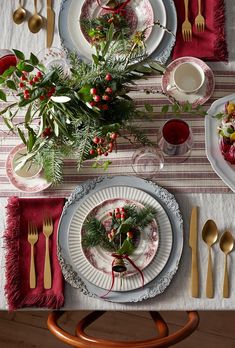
{"x": 11, "y": 237}
{"x": 48, "y": 301}
{"x": 220, "y": 48}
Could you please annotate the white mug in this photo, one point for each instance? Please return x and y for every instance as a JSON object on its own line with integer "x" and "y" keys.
{"x": 187, "y": 78}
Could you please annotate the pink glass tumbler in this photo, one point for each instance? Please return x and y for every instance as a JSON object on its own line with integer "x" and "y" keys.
{"x": 176, "y": 139}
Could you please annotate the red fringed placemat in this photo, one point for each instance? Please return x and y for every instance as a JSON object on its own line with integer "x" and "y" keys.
{"x": 20, "y": 211}
{"x": 209, "y": 45}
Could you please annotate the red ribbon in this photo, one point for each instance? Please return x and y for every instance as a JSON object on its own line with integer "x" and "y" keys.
{"x": 126, "y": 257}
{"x": 117, "y": 9}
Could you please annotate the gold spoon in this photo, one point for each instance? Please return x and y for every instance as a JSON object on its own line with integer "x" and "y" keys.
{"x": 226, "y": 245}
{"x": 209, "y": 235}
{"x": 35, "y": 22}
{"x": 19, "y": 14}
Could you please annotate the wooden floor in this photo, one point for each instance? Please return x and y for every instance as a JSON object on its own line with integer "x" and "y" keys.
{"x": 28, "y": 329}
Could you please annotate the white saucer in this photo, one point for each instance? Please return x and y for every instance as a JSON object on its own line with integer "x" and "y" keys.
{"x": 197, "y": 98}
{"x": 30, "y": 185}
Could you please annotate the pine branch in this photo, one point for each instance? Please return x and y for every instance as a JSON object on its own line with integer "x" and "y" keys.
{"x": 52, "y": 165}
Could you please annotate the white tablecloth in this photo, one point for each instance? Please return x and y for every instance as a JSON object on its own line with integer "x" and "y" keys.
{"x": 218, "y": 207}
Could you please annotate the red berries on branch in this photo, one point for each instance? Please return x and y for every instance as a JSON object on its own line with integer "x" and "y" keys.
{"x": 103, "y": 145}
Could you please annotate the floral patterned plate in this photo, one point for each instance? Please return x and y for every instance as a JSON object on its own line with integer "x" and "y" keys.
{"x": 147, "y": 243}
{"x": 197, "y": 98}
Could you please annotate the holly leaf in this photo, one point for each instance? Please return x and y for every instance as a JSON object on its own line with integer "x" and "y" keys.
{"x": 125, "y": 226}
{"x": 126, "y": 248}
{"x": 84, "y": 93}
{"x": 19, "y": 54}
{"x": 3, "y": 95}
{"x": 11, "y": 84}
{"x": 33, "y": 59}
{"x": 9, "y": 71}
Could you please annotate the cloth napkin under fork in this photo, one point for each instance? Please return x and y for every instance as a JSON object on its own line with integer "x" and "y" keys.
{"x": 209, "y": 45}
{"x": 20, "y": 211}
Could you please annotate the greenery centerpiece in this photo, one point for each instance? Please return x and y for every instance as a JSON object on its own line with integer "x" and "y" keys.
{"x": 80, "y": 113}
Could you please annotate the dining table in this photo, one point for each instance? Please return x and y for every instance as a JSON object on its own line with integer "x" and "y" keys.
{"x": 193, "y": 182}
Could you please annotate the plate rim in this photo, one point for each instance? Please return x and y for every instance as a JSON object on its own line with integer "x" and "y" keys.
{"x": 211, "y": 122}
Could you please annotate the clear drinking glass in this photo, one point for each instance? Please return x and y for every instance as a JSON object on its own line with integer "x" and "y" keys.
{"x": 176, "y": 140}
{"x": 147, "y": 161}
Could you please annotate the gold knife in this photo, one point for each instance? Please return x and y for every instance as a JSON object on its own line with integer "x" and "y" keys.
{"x": 193, "y": 245}
{"x": 50, "y": 23}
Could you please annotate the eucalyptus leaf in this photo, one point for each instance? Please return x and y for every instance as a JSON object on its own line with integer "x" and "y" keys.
{"x": 8, "y": 123}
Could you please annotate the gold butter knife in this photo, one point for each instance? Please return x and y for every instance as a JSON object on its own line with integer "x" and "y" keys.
{"x": 193, "y": 245}
{"x": 50, "y": 23}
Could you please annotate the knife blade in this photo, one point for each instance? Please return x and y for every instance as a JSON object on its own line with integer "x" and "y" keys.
{"x": 50, "y": 23}
{"x": 193, "y": 236}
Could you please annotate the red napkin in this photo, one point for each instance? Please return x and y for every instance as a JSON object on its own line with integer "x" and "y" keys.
{"x": 19, "y": 212}
{"x": 210, "y": 45}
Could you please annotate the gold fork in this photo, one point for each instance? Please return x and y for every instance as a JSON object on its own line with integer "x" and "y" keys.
{"x": 47, "y": 231}
{"x": 32, "y": 239}
{"x": 186, "y": 26}
{"x": 200, "y": 20}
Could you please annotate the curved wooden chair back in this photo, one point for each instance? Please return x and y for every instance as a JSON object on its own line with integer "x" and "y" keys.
{"x": 82, "y": 340}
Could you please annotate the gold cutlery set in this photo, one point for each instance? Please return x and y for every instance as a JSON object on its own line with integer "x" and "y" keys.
{"x": 210, "y": 236}
{"x": 32, "y": 239}
{"x": 35, "y": 22}
{"x": 187, "y": 26}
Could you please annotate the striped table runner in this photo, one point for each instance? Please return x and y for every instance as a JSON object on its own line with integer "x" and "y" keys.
{"x": 194, "y": 175}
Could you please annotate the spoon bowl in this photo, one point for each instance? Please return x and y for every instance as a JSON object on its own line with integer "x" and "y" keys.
{"x": 19, "y": 14}
{"x": 36, "y": 21}
{"x": 226, "y": 242}
{"x": 210, "y": 233}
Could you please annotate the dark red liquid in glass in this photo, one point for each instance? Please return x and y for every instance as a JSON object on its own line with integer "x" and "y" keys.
{"x": 6, "y": 62}
{"x": 175, "y": 131}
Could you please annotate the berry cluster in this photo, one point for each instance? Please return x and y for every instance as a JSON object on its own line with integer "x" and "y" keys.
{"x": 28, "y": 82}
{"x": 118, "y": 215}
{"x": 102, "y": 96}
{"x": 102, "y": 146}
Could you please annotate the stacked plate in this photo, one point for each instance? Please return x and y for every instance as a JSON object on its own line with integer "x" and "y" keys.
{"x": 142, "y": 14}
{"x": 159, "y": 249}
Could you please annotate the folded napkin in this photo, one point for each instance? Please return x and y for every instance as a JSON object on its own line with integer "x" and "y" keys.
{"x": 19, "y": 212}
{"x": 209, "y": 45}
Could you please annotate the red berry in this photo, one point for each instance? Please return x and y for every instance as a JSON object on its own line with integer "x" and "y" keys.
{"x": 118, "y": 216}
{"x": 96, "y": 98}
{"x": 26, "y": 96}
{"x": 21, "y": 85}
{"x": 101, "y": 141}
{"x": 42, "y": 97}
{"x": 106, "y": 154}
{"x": 92, "y": 103}
{"x": 26, "y": 91}
{"x": 108, "y": 77}
{"x": 123, "y": 210}
{"x": 130, "y": 234}
{"x": 23, "y": 78}
{"x": 109, "y": 90}
{"x": 99, "y": 151}
{"x": 93, "y": 91}
{"x": 47, "y": 132}
{"x": 92, "y": 152}
{"x": 52, "y": 90}
{"x": 105, "y": 107}
{"x": 96, "y": 140}
{"x": 123, "y": 216}
{"x": 110, "y": 213}
{"x": 113, "y": 136}
{"x": 106, "y": 97}
{"x": 31, "y": 82}
{"x": 49, "y": 94}
{"x": 35, "y": 79}
{"x": 117, "y": 210}
{"x": 39, "y": 74}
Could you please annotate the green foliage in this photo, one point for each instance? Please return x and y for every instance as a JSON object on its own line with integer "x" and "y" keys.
{"x": 140, "y": 218}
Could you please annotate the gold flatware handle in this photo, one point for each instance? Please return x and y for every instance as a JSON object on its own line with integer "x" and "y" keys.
{"x": 32, "y": 274}
{"x": 209, "y": 278}
{"x": 226, "y": 281}
{"x": 186, "y": 8}
{"x": 194, "y": 276}
{"x": 47, "y": 267}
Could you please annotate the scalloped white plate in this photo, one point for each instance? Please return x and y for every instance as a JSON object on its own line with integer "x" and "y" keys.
{"x": 99, "y": 278}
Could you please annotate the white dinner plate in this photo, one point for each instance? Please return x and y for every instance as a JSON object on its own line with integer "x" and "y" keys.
{"x": 73, "y": 39}
{"x": 99, "y": 278}
{"x": 222, "y": 168}
{"x": 159, "y": 284}
{"x": 146, "y": 242}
